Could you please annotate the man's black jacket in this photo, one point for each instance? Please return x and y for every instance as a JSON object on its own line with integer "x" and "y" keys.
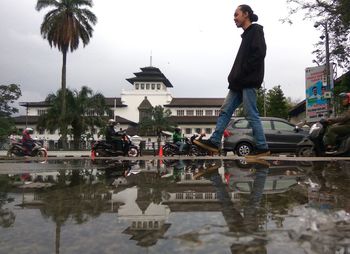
{"x": 248, "y": 68}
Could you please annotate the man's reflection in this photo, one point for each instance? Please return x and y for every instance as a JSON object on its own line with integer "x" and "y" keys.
{"x": 248, "y": 221}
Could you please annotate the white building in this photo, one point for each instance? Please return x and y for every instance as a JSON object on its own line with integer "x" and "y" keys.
{"x": 149, "y": 88}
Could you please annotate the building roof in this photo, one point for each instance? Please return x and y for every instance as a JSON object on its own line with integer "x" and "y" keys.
{"x": 145, "y": 104}
{"x": 150, "y": 74}
{"x": 297, "y": 109}
{"x": 122, "y": 120}
{"x": 25, "y": 119}
{"x": 110, "y": 101}
{"x": 194, "y": 119}
{"x": 195, "y": 102}
{"x": 114, "y": 101}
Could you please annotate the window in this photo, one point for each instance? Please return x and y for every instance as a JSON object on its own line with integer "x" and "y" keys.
{"x": 137, "y": 86}
{"x": 41, "y": 112}
{"x": 158, "y": 86}
{"x": 180, "y": 112}
{"x": 153, "y": 86}
{"x": 198, "y": 130}
{"x": 147, "y": 86}
{"x": 142, "y": 86}
{"x": 217, "y": 112}
{"x": 208, "y": 130}
{"x": 190, "y": 112}
{"x": 199, "y": 112}
{"x": 241, "y": 124}
{"x": 283, "y": 126}
{"x": 188, "y": 130}
{"x": 209, "y": 112}
{"x": 41, "y": 131}
{"x": 266, "y": 125}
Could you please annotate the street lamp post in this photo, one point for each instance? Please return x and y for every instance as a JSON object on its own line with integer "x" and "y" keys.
{"x": 328, "y": 71}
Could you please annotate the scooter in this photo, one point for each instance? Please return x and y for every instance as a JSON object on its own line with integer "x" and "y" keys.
{"x": 122, "y": 147}
{"x": 312, "y": 145}
{"x": 17, "y": 149}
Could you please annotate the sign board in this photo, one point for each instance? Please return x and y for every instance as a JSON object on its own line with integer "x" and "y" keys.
{"x": 317, "y": 93}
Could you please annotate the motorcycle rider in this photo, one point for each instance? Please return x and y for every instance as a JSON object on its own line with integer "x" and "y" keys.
{"x": 27, "y": 141}
{"x": 112, "y": 136}
{"x": 339, "y": 126}
{"x": 178, "y": 139}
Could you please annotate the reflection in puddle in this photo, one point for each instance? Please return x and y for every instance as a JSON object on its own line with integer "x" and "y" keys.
{"x": 177, "y": 206}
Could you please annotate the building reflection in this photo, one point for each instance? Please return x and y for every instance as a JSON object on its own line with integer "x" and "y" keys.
{"x": 144, "y": 194}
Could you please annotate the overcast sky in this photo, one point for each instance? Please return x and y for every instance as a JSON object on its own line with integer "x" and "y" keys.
{"x": 193, "y": 42}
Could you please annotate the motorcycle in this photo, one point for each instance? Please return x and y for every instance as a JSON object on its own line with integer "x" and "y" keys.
{"x": 171, "y": 149}
{"x": 122, "y": 147}
{"x": 313, "y": 145}
{"x": 17, "y": 149}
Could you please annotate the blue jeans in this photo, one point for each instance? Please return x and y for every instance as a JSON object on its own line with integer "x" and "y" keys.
{"x": 233, "y": 100}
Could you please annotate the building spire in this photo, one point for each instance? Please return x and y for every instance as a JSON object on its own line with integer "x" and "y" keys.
{"x": 150, "y": 59}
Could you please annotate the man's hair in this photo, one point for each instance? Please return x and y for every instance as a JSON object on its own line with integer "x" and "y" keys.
{"x": 247, "y": 9}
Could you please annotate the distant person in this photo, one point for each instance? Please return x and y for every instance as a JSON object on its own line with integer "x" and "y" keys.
{"x": 340, "y": 126}
{"x": 178, "y": 139}
{"x": 246, "y": 76}
{"x": 27, "y": 141}
{"x": 113, "y": 137}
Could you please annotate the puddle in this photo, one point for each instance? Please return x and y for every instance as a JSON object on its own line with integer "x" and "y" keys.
{"x": 175, "y": 206}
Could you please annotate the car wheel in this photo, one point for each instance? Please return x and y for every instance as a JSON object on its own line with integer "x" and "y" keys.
{"x": 243, "y": 149}
{"x": 306, "y": 151}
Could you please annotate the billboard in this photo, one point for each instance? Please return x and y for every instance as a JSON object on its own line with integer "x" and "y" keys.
{"x": 317, "y": 93}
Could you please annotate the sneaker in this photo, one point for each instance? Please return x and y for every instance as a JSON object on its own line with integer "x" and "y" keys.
{"x": 207, "y": 145}
{"x": 259, "y": 153}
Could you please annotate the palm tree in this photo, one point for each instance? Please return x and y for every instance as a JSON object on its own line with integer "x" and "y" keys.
{"x": 85, "y": 111}
{"x": 64, "y": 26}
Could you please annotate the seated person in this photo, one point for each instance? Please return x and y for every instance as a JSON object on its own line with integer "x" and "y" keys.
{"x": 178, "y": 139}
{"x": 339, "y": 126}
{"x": 27, "y": 140}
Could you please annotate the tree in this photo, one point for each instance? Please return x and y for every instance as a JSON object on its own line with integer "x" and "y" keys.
{"x": 261, "y": 101}
{"x": 158, "y": 122}
{"x": 8, "y": 95}
{"x": 85, "y": 111}
{"x": 333, "y": 15}
{"x": 64, "y": 26}
{"x": 277, "y": 103}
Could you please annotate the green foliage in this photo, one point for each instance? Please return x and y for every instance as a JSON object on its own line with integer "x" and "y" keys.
{"x": 277, "y": 103}
{"x": 85, "y": 110}
{"x": 261, "y": 96}
{"x": 8, "y": 95}
{"x": 158, "y": 122}
{"x": 333, "y": 15}
{"x": 67, "y": 23}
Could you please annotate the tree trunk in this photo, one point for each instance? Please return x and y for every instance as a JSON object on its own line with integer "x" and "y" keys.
{"x": 63, "y": 123}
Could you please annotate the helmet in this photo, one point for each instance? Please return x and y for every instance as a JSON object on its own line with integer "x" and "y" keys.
{"x": 111, "y": 122}
{"x": 29, "y": 130}
{"x": 177, "y": 129}
{"x": 345, "y": 99}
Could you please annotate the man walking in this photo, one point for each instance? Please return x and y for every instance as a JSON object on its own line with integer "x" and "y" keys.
{"x": 246, "y": 76}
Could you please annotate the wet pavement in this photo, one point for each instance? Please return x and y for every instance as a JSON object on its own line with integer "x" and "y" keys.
{"x": 208, "y": 205}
